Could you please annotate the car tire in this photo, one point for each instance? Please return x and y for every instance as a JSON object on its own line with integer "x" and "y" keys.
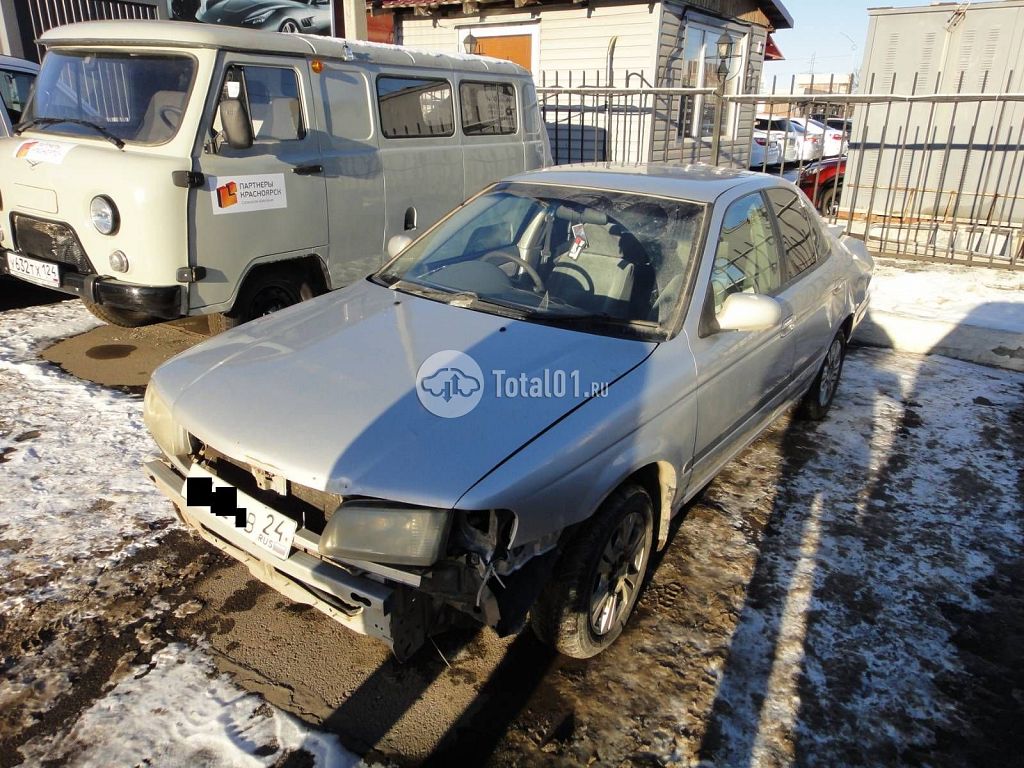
{"x": 828, "y": 198}
{"x": 823, "y": 389}
{"x": 290, "y": 28}
{"x": 614, "y": 546}
{"x": 125, "y": 318}
{"x": 265, "y": 291}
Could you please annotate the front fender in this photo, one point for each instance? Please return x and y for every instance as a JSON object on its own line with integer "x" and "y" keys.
{"x": 560, "y": 478}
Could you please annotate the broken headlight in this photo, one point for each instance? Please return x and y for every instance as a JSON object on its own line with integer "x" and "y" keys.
{"x": 172, "y": 439}
{"x": 385, "y": 532}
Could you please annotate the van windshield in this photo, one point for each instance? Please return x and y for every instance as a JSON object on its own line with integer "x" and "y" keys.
{"x": 124, "y": 97}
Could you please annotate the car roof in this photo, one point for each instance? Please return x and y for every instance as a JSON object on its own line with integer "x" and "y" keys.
{"x": 698, "y": 182}
{"x": 182, "y": 34}
{"x": 21, "y": 65}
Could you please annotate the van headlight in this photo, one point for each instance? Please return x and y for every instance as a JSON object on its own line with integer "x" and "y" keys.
{"x": 386, "y": 532}
{"x": 104, "y": 216}
{"x": 171, "y": 438}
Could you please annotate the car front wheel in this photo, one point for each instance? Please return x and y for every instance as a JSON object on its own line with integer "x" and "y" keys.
{"x": 597, "y": 581}
{"x": 823, "y": 389}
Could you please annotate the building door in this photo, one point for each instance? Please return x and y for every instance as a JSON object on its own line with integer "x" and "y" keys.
{"x": 514, "y": 48}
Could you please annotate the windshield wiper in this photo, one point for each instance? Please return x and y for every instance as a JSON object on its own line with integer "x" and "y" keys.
{"x": 45, "y": 121}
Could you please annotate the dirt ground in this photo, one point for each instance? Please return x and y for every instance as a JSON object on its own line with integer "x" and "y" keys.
{"x": 817, "y": 605}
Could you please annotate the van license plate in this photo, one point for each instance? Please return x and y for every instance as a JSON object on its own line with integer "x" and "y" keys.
{"x": 41, "y": 272}
{"x": 271, "y": 530}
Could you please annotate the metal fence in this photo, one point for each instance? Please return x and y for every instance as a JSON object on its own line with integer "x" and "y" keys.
{"x": 37, "y": 16}
{"x": 922, "y": 175}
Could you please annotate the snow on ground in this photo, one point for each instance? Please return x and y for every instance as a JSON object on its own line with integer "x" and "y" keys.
{"x": 988, "y": 298}
{"x": 74, "y": 509}
{"x": 178, "y": 711}
{"x": 71, "y": 490}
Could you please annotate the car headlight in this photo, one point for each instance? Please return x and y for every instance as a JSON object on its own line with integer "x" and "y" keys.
{"x": 385, "y": 532}
{"x": 171, "y": 438}
{"x": 103, "y": 213}
{"x": 259, "y": 18}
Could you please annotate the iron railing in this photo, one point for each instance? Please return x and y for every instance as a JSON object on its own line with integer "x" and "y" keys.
{"x": 924, "y": 175}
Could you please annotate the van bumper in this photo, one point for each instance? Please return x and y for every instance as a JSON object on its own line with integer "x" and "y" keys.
{"x": 161, "y": 301}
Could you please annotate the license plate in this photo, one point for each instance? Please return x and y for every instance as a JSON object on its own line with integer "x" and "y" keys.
{"x": 271, "y": 530}
{"x": 41, "y": 272}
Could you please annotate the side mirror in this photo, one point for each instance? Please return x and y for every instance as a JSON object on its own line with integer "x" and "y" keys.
{"x": 397, "y": 244}
{"x": 749, "y": 312}
{"x": 234, "y": 119}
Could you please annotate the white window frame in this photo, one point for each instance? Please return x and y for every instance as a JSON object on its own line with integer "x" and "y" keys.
{"x": 742, "y": 43}
{"x": 531, "y": 28}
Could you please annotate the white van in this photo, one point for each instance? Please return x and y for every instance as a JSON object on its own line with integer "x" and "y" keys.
{"x": 166, "y": 169}
{"x": 16, "y": 78}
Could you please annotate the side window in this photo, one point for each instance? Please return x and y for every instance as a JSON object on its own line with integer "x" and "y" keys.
{"x": 798, "y": 235}
{"x": 415, "y": 107}
{"x": 488, "y": 109}
{"x": 274, "y": 103}
{"x": 747, "y": 257}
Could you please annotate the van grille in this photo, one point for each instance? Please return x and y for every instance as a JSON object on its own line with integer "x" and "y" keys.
{"x": 51, "y": 241}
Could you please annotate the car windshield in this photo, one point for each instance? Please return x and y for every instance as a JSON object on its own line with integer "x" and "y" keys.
{"x": 602, "y": 261}
{"x": 122, "y": 97}
{"x": 14, "y": 90}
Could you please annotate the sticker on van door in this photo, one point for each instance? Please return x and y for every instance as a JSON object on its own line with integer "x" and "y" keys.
{"x": 238, "y": 194}
{"x": 43, "y": 151}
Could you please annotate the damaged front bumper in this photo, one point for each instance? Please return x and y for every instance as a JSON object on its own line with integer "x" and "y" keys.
{"x": 366, "y": 603}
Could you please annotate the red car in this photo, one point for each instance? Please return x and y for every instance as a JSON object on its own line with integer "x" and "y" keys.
{"x": 822, "y": 182}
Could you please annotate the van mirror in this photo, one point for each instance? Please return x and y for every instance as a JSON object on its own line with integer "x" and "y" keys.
{"x": 397, "y": 244}
{"x": 749, "y": 312}
{"x": 235, "y": 122}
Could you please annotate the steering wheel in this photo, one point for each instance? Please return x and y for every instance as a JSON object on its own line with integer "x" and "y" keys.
{"x": 519, "y": 262}
{"x": 170, "y": 116}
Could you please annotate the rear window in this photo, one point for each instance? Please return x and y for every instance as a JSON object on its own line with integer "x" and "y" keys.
{"x": 415, "y": 107}
{"x": 488, "y": 109}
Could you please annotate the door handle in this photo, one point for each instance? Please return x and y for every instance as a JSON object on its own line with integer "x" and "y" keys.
{"x": 307, "y": 170}
{"x": 787, "y": 326}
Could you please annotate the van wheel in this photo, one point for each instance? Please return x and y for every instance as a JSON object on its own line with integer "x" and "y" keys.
{"x": 126, "y": 318}
{"x": 265, "y": 291}
{"x": 597, "y": 580}
{"x": 823, "y": 389}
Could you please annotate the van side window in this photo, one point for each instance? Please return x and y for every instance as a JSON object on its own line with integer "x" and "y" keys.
{"x": 488, "y": 109}
{"x": 797, "y": 233}
{"x": 415, "y": 107}
{"x": 747, "y": 259}
{"x": 274, "y": 103}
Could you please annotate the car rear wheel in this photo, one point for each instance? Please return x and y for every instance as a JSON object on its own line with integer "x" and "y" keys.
{"x": 264, "y": 292}
{"x": 597, "y": 580}
{"x": 126, "y": 318}
{"x": 823, "y": 389}
{"x": 828, "y": 200}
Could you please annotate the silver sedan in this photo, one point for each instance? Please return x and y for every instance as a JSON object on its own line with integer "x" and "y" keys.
{"x": 501, "y": 422}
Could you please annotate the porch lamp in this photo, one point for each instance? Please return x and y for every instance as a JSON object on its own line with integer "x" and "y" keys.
{"x": 471, "y": 44}
{"x": 725, "y": 46}
{"x": 725, "y": 49}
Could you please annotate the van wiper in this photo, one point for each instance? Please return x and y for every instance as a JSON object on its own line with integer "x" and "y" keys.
{"x": 45, "y": 121}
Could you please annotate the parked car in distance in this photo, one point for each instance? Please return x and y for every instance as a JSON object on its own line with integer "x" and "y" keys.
{"x": 290, "y": 16}
{"x": 16, "y": 79}
{"x": 401, "y": 455}
{"x": 822, "y": 182}
{"x": 808, "y": 142}
{"x": 833, "y": 142}
{"x": 780, "y": 130}
{"x": 764, "y": 151}
{"x": 218, "y": 171}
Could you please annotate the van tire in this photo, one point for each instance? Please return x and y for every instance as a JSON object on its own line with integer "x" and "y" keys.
{"x": 562, "y": 616}
{"x": 125, "y": 318}
{"x": 265, "y": 291}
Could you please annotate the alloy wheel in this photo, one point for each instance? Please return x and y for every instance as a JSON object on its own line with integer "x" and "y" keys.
{"x": 618, "y": 574}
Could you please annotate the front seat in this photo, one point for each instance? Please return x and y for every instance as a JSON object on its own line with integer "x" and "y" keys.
{"x": 163, "y": 116}
{"x": 599, "y": 279}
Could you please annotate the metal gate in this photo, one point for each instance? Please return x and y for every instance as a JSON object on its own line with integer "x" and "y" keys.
{"x": 37, "y": 16}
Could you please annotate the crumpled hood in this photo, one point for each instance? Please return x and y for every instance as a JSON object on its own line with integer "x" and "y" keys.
{"x": 325, "y": 392}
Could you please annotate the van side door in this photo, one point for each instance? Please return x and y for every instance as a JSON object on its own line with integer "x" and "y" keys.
{"x": 266, "y": 202}
{"x": 420, "y": 151}
{"x": 492, "y": 144}
{"x": 353, "y": 170}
